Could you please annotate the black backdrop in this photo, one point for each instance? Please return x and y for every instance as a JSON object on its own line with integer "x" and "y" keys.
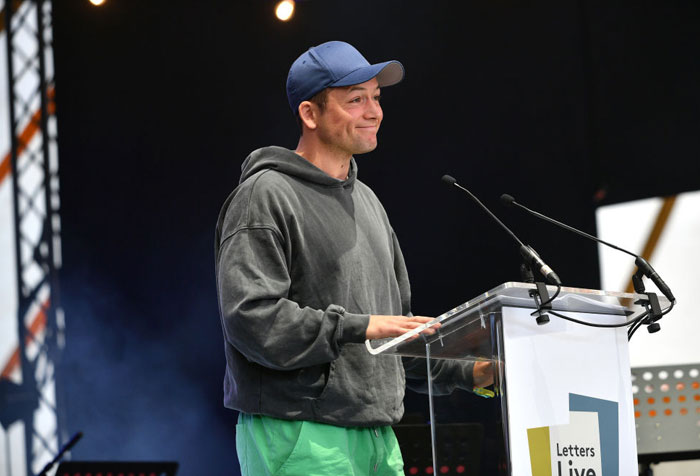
{"x": 566, "y": 106}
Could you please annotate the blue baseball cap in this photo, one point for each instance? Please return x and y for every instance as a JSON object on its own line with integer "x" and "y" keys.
{"x": 335, "y": 64}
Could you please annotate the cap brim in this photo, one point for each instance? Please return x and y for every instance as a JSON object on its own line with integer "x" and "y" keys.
{"x": 387, "y": 74}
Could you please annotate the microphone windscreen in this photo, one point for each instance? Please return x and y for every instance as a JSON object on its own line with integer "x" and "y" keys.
{"x": 449, "y": 179}
{"x": 507, "y": 200}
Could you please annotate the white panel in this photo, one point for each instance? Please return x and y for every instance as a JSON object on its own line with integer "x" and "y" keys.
{"x": 676, "y": 259}
{"x": 626, "y": 225}
{"x": 4, "y": 94}
{"x": 14, "y": 459}
{"x": 8, "y": 275}
{"x": 677, "y": 468}
{"x": 8, "y": 284}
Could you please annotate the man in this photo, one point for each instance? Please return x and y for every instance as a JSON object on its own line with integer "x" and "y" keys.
{"x": 308, "y": 267}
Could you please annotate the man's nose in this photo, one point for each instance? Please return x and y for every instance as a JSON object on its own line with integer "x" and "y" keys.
{"x": 373, "y": 110}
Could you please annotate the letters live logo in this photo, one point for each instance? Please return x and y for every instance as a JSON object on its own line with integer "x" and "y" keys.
{"x": 586, "y": 446}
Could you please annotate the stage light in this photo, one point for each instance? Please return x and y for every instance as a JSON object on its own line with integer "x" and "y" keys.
{"x": 97, "y": 3}
{"x": 284, "y": 10}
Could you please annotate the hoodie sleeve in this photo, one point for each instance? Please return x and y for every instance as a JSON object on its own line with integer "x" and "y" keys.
{"x": 448, "y": 375}
{"x": 259, "y": 319}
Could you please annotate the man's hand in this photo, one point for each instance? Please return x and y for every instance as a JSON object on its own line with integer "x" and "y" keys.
{"x": 483, "y": 373}
{"x": 394, "y": 326}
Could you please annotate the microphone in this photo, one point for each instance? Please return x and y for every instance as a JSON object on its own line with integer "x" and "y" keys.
{"x": 641, "y": 263}
{"x": 527, "y": 252}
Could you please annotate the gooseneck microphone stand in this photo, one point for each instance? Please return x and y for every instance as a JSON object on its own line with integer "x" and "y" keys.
{"x": 651, "y": 301}
{"x": 531, "y": 260}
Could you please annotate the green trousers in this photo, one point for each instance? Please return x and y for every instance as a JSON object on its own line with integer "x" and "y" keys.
{"x": 272, "y": 447}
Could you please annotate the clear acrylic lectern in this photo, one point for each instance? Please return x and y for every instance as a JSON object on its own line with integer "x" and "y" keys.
{"x": 563, "y": 389}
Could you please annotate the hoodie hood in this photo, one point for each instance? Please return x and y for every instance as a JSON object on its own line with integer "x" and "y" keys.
{"x": 289, "y": 163}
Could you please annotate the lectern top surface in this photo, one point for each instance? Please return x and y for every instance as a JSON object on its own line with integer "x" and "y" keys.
{"x": 516, "y": 294}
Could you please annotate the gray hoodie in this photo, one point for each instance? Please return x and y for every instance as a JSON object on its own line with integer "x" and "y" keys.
{"x": 302, "y": 260}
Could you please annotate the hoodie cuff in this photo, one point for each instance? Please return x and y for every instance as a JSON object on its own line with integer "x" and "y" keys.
{"x": 354, "y": 328}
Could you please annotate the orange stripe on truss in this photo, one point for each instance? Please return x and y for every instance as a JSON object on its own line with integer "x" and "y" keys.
{"x": 15, "y": 6}
{"x": 655, "y": 233}
{"x": 5, "y": 167}
{"x": 27, "y": 134}
{"x": 38, "y": 324}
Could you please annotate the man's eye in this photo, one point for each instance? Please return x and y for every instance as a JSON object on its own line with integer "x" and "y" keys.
{"x": 357, "y": 99}
{"x": 377, "y": 97}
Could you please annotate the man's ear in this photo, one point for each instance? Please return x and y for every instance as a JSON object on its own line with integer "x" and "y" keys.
{"x": 308, "y": 113}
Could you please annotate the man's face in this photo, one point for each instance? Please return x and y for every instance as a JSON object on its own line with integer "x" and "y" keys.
{"x": 351, "y": 118}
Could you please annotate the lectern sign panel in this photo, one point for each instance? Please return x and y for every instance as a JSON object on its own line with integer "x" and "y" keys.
{"x": 566, "y": 382}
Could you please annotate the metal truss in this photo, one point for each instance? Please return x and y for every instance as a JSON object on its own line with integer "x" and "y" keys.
{"x": 28, "y": 387}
